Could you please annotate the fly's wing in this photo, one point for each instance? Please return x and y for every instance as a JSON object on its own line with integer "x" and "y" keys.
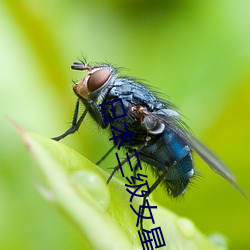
{"x": 175, "y": 124}
{"x": 212, "y": 160}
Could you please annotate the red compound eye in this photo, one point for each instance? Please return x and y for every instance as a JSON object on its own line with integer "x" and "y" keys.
{"x": 97, "y": 79}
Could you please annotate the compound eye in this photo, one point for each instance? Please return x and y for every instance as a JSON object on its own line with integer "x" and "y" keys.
{"x": 97, "y": 79}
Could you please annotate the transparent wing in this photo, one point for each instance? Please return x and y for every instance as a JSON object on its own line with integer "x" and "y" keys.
{"x": 175, "y": 124}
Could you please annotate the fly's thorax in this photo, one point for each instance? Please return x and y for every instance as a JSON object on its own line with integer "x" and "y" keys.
{"x": 94, "y": 85}
{"x": 154, "y": 122}
{"x": 152, "y": 125}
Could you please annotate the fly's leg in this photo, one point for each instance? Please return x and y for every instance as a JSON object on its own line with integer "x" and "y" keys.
{"x": 116, "y": 168}
{"x": 105, "y": 155}
{"x": 135, "y": 169}
{"x": 75, "y": 124}
{"x": 152, "y": 188}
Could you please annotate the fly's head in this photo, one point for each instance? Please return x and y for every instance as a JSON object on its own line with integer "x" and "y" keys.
{"x": 93, "y": 85}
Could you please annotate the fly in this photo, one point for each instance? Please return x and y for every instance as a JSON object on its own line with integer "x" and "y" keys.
{"x": 161, "y": 138}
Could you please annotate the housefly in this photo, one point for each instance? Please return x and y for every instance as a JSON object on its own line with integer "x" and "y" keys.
{"x": 161, "y": 138}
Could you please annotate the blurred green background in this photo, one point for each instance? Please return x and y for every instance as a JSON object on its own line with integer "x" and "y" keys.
{"x": 196, "y": 52}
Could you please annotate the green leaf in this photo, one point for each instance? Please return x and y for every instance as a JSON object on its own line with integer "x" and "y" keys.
{"x": 102, "y": 213}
